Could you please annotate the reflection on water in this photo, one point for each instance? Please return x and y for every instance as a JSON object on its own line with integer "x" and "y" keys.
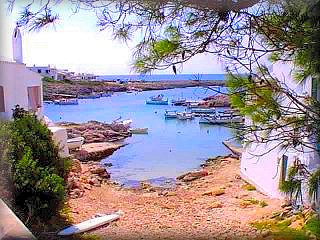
{"x": 171, "y": 148}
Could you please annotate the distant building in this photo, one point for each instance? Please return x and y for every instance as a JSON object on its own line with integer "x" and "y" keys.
{"x": 45, "y": 71}
{"x": 19, "y": 85}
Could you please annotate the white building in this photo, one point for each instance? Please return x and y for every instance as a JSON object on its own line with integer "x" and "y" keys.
{"x": 45, "y": 71}
{"x": 18, "y": 85}
{"x": 266, "y": 165}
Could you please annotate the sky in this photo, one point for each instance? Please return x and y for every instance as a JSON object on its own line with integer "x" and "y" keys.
{"x": 75, "y": 43}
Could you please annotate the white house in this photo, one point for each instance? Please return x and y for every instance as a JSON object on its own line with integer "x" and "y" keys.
{"x": 23, "y": 87}
{"x": 265, "y": 165}
{"x": 18, "y": 85}
{"x": 45, "y": 71}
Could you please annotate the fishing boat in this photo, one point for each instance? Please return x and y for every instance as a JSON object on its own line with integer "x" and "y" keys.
{"x": 66, "y": 101}
{"x": 105, "y": 94}
{"x": 220, "y": 120}
{"x": 139, "y": 130}
{"x": 74, "y": 143}
{"x": 179, "y": 102}
{"x": 48, "y": 102}
{"x": 203, "y": 110}
{"x": 185, "y": 116}
{"x": 170, "y": 114}
{"x": 157, "y": 100}
{"x": 90, "y": 224}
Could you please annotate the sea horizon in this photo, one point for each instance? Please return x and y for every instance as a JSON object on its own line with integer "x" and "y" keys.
{"x": 163, "y": 77}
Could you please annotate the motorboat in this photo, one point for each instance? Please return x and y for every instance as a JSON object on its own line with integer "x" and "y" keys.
{"x": 139, "y": 130}
{"x": 179, "y": 102}
{"x": 220, "y": 120}
{"x": 185, "y": 116}
{"x": 105, "y": 94}
{"x": 203, "y": 110}
{"x": 170, "y": 114}
{"x": 157, "y": 100}
{"x": 75, "y": 143}
{"x": 67, "y": 101}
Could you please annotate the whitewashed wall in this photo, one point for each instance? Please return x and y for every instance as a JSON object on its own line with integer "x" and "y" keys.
{"x": 261, "y": 163}
{"x": 15, "y": 78}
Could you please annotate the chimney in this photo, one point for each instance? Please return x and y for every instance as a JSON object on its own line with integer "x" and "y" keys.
{"x": 17, "y": 45}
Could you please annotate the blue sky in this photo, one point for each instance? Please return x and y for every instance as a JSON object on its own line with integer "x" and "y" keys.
{"x": 75, "y": 43}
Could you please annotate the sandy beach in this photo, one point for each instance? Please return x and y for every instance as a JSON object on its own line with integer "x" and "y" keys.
{"x": 216, "y": 206}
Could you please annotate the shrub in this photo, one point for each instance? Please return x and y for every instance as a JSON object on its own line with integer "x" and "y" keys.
{"x": 38, "y": 171}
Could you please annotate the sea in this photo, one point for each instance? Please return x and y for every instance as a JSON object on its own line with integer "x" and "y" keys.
{"x": 163, "y": 77}
{"x": 171, "y": 148}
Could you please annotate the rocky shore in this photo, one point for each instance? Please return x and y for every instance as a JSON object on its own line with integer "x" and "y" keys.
{"x": 210, "y": 203}
{"x": 52, "y": 89}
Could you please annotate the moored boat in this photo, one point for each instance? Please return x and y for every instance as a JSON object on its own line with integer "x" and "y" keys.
{"x": 179, "y": 102}
{"x": 185, "y": 116}
{"x": 139, "y": 130}
{"x": 203, "y": 110}
{"x": 157, "y": 100}
{"x": 170, "y": 114}
{"x": 65, "y": 101}
{"x": 220, "y": 120}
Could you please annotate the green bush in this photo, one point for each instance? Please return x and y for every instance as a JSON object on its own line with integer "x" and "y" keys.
{"x": 37, "y": 170}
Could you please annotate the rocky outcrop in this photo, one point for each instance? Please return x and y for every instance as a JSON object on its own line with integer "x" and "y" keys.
{"x": 216, "y": 101}
{"x": 190, "y": 176}
{"x": 84, "y": 177}
{"x": 94, "y": 131}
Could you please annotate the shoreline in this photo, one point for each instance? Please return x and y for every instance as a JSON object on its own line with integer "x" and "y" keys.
{"x": 207, "y": 207}
{"x": 74, "y": 88}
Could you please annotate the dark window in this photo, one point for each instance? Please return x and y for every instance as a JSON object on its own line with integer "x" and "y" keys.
{"x": 39, "y": 70}
{"x": 2, "y": 108}
{"x": 47, "y": 71}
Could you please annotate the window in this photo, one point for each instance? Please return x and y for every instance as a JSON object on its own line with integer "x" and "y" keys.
{"x": 2, "y": 107}
{"x": 39, "y": 70}
{"x": 47, "y": 71}
{"x": 34, "y": 98}
{"x": 284, "y": 166}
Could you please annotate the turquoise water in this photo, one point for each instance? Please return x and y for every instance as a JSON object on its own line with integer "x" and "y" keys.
{"x": 171, "y": 148}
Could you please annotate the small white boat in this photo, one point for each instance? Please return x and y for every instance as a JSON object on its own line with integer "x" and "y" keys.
{"x": 74, "y": 143}
{"x": 139, "y": 130}
{"x": 179, "y": 102}
{"x": 157, "y": 100}
{"x": 170, "y": 114}
{"x": 89, "y": 224}
{"x": 125, "y": 123}
{"x": 185, "y": 116}
{"x": 67, "y": 101}
{"x": 220, "y": 120}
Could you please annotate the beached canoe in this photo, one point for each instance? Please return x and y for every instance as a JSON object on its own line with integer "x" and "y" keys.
{"x": 89, "y": 224}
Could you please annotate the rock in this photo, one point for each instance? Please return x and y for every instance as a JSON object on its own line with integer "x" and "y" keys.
{"x": 76, "y": 166}
{"x": 107, "y": 164}
{"x": 171, "y": 194}
{"x": 215, "y": 192}
{"x": 190, "y": 176}
{"x": 98, "y": 170}
{"x": 312, "y": 237}
{"x": 286, "y": 203}
{"x": 88, "y": 186}
{"x": 216, "y": 204}
{"x": 265, "y": 233}
{"x": 298, "y": 224}
{"x": 93, "y": 181}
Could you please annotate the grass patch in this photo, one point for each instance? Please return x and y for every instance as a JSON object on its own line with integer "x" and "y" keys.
{"x": 313, "y": 225}
{"x": 253, "y": 201}
{"x": 249, "y": 187}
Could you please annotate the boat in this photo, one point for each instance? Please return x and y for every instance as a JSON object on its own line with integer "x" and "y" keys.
{"x": 157, "y": 100}
{"x": 89, "y": 224}
{"x": 139, "y": 130}
{"x": 220, "y": 120}
{"x": 48, "y": 102}
{"x": 105, "y": 94}
{"x": 91, "y": 96}
{"x": 185, "y": 116}
{"x": 170, "y": 114}
{"x": 65, "y": 101}
{"x": 179, "y": 102}
{"x": 74, "y": 143}
{"x": 203, "y": 110}
{"x": 125, "y": 123}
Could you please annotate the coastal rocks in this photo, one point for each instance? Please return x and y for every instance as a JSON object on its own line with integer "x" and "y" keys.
{"x": 190, "y": 176}
{"x": 91, "y": 175}
{"x": 215, "y": 204}
{"x": 214, "y": 192}
{"x": 216, "y": 101}
{"x": 97, "y": 151}
{"x": 95, "y": 132}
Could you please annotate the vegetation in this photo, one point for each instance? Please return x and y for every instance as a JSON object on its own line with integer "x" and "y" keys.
{"x": 37, "y": 170}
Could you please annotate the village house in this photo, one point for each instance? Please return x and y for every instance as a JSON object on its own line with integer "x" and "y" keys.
{"x": 266, "y": 165}
{"x": 45, "y": 71}
{"x": 23, "y": 87}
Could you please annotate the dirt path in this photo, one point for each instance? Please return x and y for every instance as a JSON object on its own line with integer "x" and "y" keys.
{"x": 184, "y": 213}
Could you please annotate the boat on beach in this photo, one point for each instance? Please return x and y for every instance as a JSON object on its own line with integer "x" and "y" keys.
{"x": 139, "y": 130}
{"x": 170, "y": 114}
{"x": 157, "y": 100}
{"x": 74, "y": 143}
{"x": 66, "y": 101}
